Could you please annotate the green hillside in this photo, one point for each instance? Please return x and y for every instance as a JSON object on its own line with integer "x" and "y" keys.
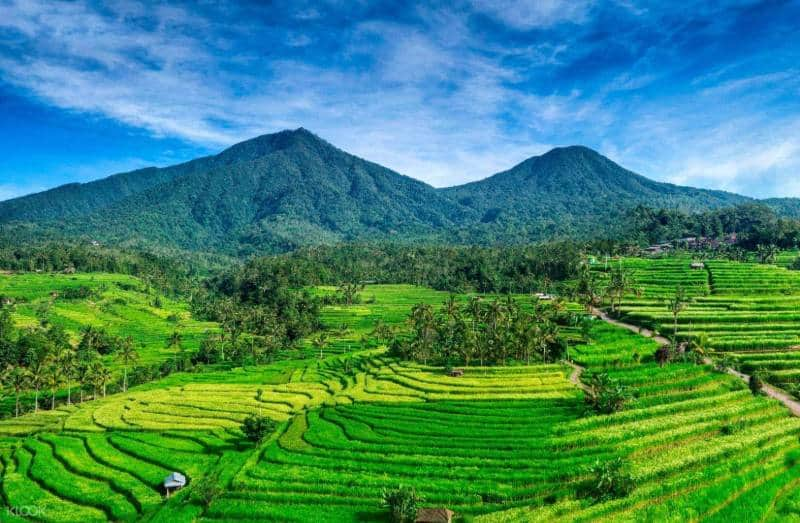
{"x": 274, "y": 192}
{"x": 505, "y": 443}
{"x": 120, "y": 305}
{"x": 280, "y": 191}
{"x": 575, "y": 189}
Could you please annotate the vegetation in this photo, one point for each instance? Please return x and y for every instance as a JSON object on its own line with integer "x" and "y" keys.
{"x": 610, "y": 480}
{"x": 279, "y": 192}
{"x": 402, "y": 503}
{"x": 256, "y": 427}
{"x": 487, "y": 332}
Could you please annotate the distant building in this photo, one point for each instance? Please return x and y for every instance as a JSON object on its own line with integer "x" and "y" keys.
{"x": 698, "y": 265}
{"x": 456, "y": 373}
{"x": 174, "y": 481}
{"x": 435, "y": 515}
{"x": 544, "y": 296}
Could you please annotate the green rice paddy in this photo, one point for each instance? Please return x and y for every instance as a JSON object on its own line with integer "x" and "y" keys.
{"x": 497, "y": 444}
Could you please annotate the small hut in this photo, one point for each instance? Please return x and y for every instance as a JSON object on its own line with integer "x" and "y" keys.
{"x": 456, "y": 373}
{"x": 698, "y": 265}
{"x": 434, "y": 515}
{"x": 174, "y": 481}
{"x": 544, "y": 296}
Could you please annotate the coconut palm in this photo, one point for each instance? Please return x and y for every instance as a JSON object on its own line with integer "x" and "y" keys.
{"x": 37, "y": 375}
{"x": 101, "y": 376}
{"x": 67, "y": 360}
{"x": 320, "y": 342}
{"x": 127, "y": 355}
{"x": 676, "y": 305}
{"x": 18, "y": 378}
{"x": 54, "y": 377}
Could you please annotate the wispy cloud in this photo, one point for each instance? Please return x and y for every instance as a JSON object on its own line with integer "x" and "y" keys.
{"x": 443, "y": 92}
{"x": 8, "y": 191}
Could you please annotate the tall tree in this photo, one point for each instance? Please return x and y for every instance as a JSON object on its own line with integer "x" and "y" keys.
{"x": 54, "y": 376}
{"x": 128, "y": 355}
{"x": 18, "y": 378}
{"x": 67, "y": 360}
{"x": 676, "y": 305}
{"x": 320, "y": 343}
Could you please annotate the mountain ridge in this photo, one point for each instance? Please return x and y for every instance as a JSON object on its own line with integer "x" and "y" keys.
{"x": 279, "y": 191}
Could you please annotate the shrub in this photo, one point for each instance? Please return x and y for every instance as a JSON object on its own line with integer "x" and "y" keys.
{"x": 207, "y": 489}
{"x": 606, "y": 395}
{"x": 402, "y": 502}
{"x": 663, "y": 355}
{"x": 756, "y": 382}
{"x": 609, "y": 480}
{"x": 732, "y": 427}
{"x": 257, "y": 427}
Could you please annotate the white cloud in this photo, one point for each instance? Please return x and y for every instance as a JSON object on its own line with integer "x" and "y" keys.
{"x": 437, "y": 100}
{"x": 530, "y": 14}
{"x": 8, "y": 191}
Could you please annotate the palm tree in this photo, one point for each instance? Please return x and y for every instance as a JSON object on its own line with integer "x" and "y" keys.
{"x": 676, "y": 305}
{"x": 54, "y": 378}
{"x": 621, "y": 283}
{"x": 67, "y": 359}
{"x": 17, "y": 377}
{"x": 767, "y": 253}
{"x": 36, "y": 372}
{"x": 425, "y": 326}
{"x": 349, "y": 291}
{"x": 101, "y": 376}
{"x": 320, "y": 342}
{"x": 128, "y": 355}
{"x": 548, "y": 336}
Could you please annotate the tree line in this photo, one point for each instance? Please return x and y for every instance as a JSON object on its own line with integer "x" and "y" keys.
{"x": 483, "y": 331}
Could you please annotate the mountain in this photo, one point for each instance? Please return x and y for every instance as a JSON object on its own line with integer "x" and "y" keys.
{"x": 787, "y": 207}
{"x": 288, "y": 189}
{"x": 273, "y": 192}
{"x": 576, "y": 188}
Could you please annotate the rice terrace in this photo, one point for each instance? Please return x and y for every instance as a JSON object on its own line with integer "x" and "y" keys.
{"x": 318, "y": 261}
{"x": 353, "y": 415}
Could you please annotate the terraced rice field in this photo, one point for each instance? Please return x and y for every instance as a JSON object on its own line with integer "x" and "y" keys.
{"x": 751, "y": 314}
{"x": 498, "y": 444}
{"x": 124, "y": 306}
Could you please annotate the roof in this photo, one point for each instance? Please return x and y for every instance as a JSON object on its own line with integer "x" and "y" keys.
{"x": 176, "y": 479}
{"x": 434, "y": 515}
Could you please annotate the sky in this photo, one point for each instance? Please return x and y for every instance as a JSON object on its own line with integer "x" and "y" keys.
{"x": 702, "y": 93}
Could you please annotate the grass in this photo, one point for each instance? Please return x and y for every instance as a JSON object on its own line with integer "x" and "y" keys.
{"x": 122, "y": 305}
{"x": 498, "y": 444}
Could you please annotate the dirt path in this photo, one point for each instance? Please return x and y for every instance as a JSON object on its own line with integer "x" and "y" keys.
{"x": 575, "y": 377}
{"x": 647, "y": 333}
{"x": 773, "y": 392}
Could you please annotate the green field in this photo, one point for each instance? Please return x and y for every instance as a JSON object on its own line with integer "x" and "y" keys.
{"x": 749, "y": 312}
{"x": 122, "y": 305}
{"x": 497, "y": 444}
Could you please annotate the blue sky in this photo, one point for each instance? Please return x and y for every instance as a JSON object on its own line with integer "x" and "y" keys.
{"x": 701, "y": 93}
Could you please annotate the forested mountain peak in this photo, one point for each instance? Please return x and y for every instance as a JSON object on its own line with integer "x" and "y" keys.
{"x": 279, "y": 191}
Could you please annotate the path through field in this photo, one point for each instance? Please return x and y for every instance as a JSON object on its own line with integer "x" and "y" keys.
{"x": 647, "y": 333}
{"x": 773, "y": 392}
{"x": 575, "y": 376}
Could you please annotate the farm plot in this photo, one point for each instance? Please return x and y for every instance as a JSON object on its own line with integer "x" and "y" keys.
{"x": 658, "y": 277}
{"x": 122, "y": 305}
{"x": 503, "y": 443}
{"x": 480, "y": 454}
{"x": 751, "y": 316}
